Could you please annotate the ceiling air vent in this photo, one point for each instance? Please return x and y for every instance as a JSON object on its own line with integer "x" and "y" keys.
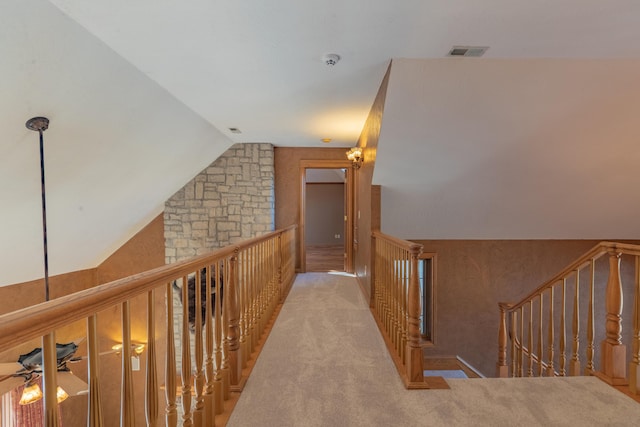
{"x": 235, "y": 130}
{"x": 468, "y": 51}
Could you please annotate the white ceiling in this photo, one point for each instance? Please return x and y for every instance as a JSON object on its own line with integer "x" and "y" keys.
{"x": 141, "y": 95}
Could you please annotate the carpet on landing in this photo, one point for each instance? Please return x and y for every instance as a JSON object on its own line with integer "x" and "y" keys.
{"x": 325, "y": 364}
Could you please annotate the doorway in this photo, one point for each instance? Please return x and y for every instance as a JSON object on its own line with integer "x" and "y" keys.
{"x": 326, "y": 212}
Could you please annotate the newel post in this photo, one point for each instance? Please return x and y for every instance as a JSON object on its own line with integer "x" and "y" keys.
{"x": 613, "y": 351}
{"x": 502, "y": 369}
{"x": 414, "y": 356}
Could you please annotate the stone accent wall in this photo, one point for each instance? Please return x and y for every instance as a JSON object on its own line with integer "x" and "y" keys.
{"x": 230, "y": 201}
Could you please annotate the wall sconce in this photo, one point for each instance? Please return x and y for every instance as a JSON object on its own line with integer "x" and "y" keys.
{"x": 355, "y": 155}
{"x": 136, "y": 349}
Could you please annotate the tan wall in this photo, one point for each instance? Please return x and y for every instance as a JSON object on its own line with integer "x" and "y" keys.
{"x": 367, "y": 210}
{"x": 287, "y": 181}
{"x": 324, "y": 214}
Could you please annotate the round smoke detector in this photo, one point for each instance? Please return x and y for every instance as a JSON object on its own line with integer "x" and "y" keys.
{"x": 331, "y": 58}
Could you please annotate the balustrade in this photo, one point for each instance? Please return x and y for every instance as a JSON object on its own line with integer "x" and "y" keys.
{"x": 244, "y": 285}
{"x": 396, "y": 304}
{"x": 517, "y": 322}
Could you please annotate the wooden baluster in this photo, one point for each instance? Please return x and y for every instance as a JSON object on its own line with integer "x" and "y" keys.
{"x": 574, "y": 365}
{"x": 614, "y": 365}
{"x": 218, "y": 335}
{"x": 590, "y": 321}
{"x": 127, "y": 407}
{"x": 530, "y": 343}
{"x": 209, "y": 394}
{"x": 171, "y": 413}
{"x": 242, "y": 296}
{"x": 502, "y": 369}
{"x": 404, "y": 280}
{"x": 225, "y": 367}
{"x": 151, "y": 391}
{"x": 187, "y": 420}
{"x": 198, "y": 380}
{"x": 49, "y": 381}
{"x": 414, "y": 350}
{"x": 540, "y": 338}
{"x": 563, "y": 330}
{"x": 550, "y": 351}
{"x": 402, "y": 285}
{"x": 252, "y": 298}
{"x": 634, "y": 366}
{"x": 231, "y": 302}
{"x": 520, "y": 349}
{"x": 514, "y": 329}
{"x": 94, "y": 413}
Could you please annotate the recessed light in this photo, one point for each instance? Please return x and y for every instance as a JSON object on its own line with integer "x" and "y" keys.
{"x": 326, "y": 140}
{"x": 235, "y": 130}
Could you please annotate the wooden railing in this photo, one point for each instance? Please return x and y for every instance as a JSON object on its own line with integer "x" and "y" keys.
{"x": 396, "y": 304}
{"x": 532, "y": 338}
{"x": 252, "y": 278}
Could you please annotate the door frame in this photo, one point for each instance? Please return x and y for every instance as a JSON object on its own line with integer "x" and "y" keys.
{"x": 349, "y": 191}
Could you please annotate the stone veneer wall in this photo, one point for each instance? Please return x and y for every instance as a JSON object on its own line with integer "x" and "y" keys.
{"x": 230, "y": 201}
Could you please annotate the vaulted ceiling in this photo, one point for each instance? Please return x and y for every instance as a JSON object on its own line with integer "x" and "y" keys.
{"x": 533, "y": 140}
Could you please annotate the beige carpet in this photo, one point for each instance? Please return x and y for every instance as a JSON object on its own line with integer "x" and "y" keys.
{"x": 325, "y": 364}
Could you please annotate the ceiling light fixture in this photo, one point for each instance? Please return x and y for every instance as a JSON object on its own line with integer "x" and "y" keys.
{"x": 235, "y": 130}
{"x": 356, "y": 157}
{"x": 40, "y": 124}
{"x": 326, "y": 140}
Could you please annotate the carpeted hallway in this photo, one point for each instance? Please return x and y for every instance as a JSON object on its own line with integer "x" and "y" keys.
{"x": 325, "y": 364}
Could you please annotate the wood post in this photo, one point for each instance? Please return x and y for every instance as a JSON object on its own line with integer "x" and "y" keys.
{"x": 574, "y": 365}
{"x": 634, "y": 366}
{"x": 613, "y": 351}
{"x": 414, "y": 356}
{"x": 151, "y": 390}
{"x": 171, "y": 411}
{"x": 49, "y": 382}
{"x": 94, "y": 412}
{"x": 502, "y": 369}
{"x": 127, "y": 407}
{"x": 231, "y": 302}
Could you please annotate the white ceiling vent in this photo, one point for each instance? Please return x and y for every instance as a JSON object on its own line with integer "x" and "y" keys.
{"x": 468, "y": 51}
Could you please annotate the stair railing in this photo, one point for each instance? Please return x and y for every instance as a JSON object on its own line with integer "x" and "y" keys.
{"x": 252, "y": 278}
{"x": 396, "y": 304}
{"x": 540, "y": 319}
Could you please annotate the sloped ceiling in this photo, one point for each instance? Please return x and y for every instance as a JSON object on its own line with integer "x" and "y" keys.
{"x": 141, "y": 95}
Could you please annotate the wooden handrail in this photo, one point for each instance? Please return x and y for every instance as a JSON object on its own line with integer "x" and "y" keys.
{"x": 35, "y": 321}
{"x": 403, "y": 244}
{"x": 594, "y": 253}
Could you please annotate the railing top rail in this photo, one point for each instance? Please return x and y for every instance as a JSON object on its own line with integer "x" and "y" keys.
{"x": 256, "y": 240}
{"x": 405, "y": 244}
{"x": 35, "y": 321}
{"x": 593, "y": 254}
